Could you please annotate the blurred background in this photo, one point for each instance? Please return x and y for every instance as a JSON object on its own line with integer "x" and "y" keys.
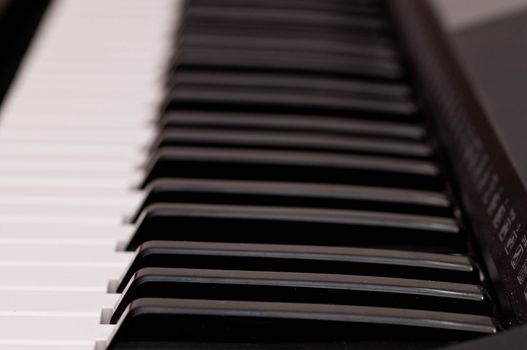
{"x": 462, "y": 14}
{"x": 490, "y": 39}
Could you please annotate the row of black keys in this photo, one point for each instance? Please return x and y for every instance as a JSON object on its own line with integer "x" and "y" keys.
{"x": 292, "y": 195}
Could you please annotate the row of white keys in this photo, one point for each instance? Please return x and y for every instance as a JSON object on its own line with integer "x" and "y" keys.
{"x": 73, "y": 132}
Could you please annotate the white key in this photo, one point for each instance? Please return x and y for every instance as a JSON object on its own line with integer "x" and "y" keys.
{"x": 30, "y": 302}
{"x": 40, "y": 346}
{"x": 63, "y": 253}
{"x": 61, "y": 196}
{"x": 82, "y": 135}
{"x": 52, "y": 330}
{"x": 69, "y": 168}
{"x": 74, "y": 277}
{"x": 76, "y": 121}
{"x": 17, "y": 149}
{"x": 73, "y": 135}
{"x": 29, "y": 210}
{"x": 94, "y": 181}
{"x": 26, "y": 231}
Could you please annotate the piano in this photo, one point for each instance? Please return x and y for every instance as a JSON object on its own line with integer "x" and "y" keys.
{"x": 258, "y": 174}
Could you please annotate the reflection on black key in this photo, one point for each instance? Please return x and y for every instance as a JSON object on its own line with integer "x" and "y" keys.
{"x": 266, "y": 61}
{"x": 291, "y": 122}
{"x": 296, "y": 17}
{"x": 296, "y": 258}
{"x": 303, "y": 288}
{"x": 360, "y": 49}
{"x": 294, "y": 82}
{"x": 187, "y": 320}
{"x": 246, "y": 99}
{"x": 294, "y": 195}
{"x": 293, "y": 166}
{"x": 245, "y": 224}
{"x": 290, "y": 141}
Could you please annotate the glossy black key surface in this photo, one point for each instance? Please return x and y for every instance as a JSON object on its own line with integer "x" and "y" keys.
{"x": 258, "y": 224}
{"x": 296, "y": 17}
{"x": 350, "y": 125}
{"x": 264, "y": 100}
{"x": 347, "y": 37}
{"x": 296, "y": 258}
{"x": 328, "y": 5}
{"x": 187, "y": 320}
{"x": 294, "y": 82}
{"x": 294, "y": 166}
{"x": 302, "y": 288}
{"x": 294, "y": 194}
{"x": 290, "y": 141}
{"x": 267, "y": 61}
{"x": 360, "y": 49}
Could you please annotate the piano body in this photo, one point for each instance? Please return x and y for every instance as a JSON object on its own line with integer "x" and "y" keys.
{"x": 258, "y": 174}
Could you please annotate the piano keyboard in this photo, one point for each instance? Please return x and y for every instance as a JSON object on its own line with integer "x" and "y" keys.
{"x": 259, "y": 173}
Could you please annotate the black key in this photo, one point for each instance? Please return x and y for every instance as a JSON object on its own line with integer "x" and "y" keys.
{"x": 301, "y": 123}
{"x": 294, "y": 82}
{"x": 246, "y": 224}
{"x": 335, "y": 6}
{"x": 302, "y": 288}
{"x": 268, "y": 61}
{"x": 293, "y": 166}
{"x": 187, "y": 320}
{"x": 282, "y": 17}
{"x": 361, "y": 49}
{"x": 294, "y": 195}
{"x": 293, "y": 258}
{"x": 276, "y": 100}
{"x": 258, "y": 30}
{"x": 289, "y": 141}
